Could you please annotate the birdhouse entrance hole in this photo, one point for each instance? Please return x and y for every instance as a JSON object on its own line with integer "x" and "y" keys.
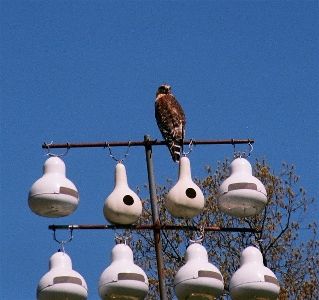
{"x": 190, "y": 193}
{"x": 128, "y": 200}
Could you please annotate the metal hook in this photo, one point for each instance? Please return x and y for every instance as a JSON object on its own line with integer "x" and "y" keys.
{"x": 125, "y": 155}
{"x": 122, "y": 239}
{"x": 255, "y": 241}
{"x": 251, "y": 148}
{"x": 243, "y": 154}
{"x": 56, "y": 155}
{"x": 62, "y": 243}
{"x": 200, "y": 236}
{"x": 191, "y": 147}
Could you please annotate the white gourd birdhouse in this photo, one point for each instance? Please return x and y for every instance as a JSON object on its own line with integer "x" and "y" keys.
{"x": 122, "y": 279}
{"x": 185, "y": 199}
{"x": 53, "y": 195}
{"x": 198, "y": 279}
{"x": 241, "y": 194}
{"x": 61, "y": 282}
{"x": 122, "y": 206}
{"x": 253, "y": 280}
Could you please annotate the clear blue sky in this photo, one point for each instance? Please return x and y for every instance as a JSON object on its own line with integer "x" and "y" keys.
{"x": 87, "y": 71}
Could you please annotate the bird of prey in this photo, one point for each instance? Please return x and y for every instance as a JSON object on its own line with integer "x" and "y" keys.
{"x": 170, "y": 120}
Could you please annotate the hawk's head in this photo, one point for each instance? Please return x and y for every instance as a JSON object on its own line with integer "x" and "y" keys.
{"x": 163, "y": 89}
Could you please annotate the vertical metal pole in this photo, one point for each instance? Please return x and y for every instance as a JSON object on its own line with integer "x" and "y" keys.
{"x": 156, "y": 220}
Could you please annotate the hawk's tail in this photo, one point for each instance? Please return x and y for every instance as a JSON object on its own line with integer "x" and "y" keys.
{"x": 176, "y": 149}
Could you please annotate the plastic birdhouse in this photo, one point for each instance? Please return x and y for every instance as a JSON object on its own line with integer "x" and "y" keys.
{"x": 61, "y": 282}
{"x": 122, "y": 206}
{"x": 122, "y": 279}
{"x": 53, "y": 195}
{"x": 185, "y": 199}
{"x": 253, "y": 280}
{"x": 198, "y": 279}
{"x": 241, "y": 194}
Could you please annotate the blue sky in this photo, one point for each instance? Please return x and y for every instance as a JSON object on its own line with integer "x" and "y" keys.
{"x": 87, "y": 71}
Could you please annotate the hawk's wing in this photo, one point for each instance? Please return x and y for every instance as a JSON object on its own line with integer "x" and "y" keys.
{"x": 171, "y": 122}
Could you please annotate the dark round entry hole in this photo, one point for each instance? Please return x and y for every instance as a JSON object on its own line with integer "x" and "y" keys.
{"x": 128, "y": 200}
{"x": 190, "y": 193}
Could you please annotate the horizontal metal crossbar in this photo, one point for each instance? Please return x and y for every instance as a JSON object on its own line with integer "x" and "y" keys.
{"x": 152, "y": 227}
{"x": 144, "y": 143}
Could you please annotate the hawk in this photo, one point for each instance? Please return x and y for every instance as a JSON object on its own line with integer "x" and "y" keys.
{"x": 170, "y": 120}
